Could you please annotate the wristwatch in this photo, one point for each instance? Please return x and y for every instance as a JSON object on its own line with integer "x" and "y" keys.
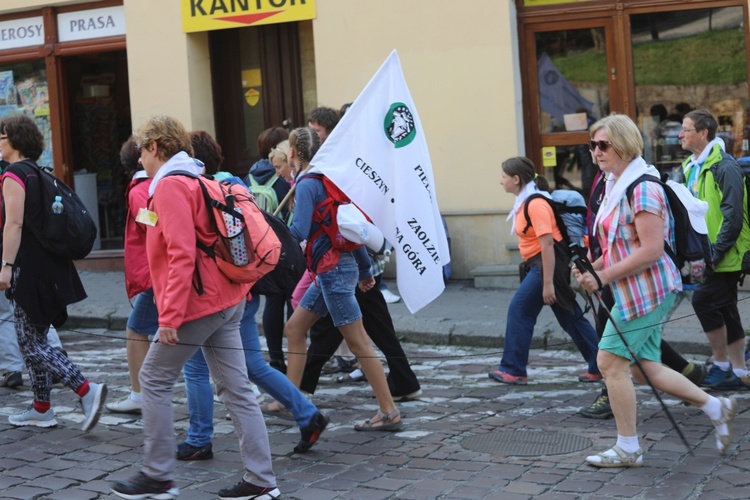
{"x": 7, "y": 264}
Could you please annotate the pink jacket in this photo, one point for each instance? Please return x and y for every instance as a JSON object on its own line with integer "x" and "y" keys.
{"x": 173, "y": 257}
{"x": 137, "y": 277}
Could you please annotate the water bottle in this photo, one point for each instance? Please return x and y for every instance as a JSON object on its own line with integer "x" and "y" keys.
{"x": 57, "y": 205}
{"x": 237, "y": 246}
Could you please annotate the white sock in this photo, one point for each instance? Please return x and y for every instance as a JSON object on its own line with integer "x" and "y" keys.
{"x": 136, "y": 397}
{"x": 628, "y": 444}
{"x": 712, "y": 409}
{"x": 740, "y": 372}
{"x": 723, "y": 365}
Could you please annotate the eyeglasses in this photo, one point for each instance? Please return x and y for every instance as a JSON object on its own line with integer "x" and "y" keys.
{"x": 138, "y": 149}
{"x": 602, "y": 145}
{"x": 689, "y": 130}
{"x": 3, "y": 137}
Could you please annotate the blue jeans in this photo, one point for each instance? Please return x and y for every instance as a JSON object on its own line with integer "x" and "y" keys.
{"x": 200, "y": 395}
{"x": 524, "y": 309}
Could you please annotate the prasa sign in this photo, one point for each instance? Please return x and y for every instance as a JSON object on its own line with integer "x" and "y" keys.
{"x": 93, "y": 23}
{"x": 207, "y": 15}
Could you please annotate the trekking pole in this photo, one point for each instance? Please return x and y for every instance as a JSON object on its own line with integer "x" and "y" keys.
{"x": 584, "y": 266}
{"x": 286, "y": 199}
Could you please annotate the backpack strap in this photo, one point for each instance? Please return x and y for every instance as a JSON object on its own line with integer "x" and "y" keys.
{"x": 558, "y": 219}
{"x": 629, "y": 193}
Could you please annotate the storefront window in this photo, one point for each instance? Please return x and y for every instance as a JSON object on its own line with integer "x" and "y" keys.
{"x": 573, "y": 93}
{"x": 23, "y": 89}
{"x": 691, "y": 59}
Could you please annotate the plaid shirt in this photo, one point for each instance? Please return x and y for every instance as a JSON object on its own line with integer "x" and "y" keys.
{"x": 641, "y": 293}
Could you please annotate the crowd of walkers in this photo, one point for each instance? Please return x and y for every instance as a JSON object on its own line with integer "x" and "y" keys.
{"x": 338, "y": 309}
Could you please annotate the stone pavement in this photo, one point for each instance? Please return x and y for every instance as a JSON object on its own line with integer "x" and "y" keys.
{"x": 440, "y": 453}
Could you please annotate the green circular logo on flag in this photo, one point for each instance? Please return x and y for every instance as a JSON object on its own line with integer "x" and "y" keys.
{"x": 399, "y": 125}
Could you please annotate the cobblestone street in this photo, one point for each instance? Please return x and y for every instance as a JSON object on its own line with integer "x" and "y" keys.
{"x": 460, "y": 411}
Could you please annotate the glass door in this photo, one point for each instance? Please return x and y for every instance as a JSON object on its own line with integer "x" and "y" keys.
{"x": 573, "y": 80}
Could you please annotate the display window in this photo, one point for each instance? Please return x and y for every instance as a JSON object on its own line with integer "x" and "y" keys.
{"x": 23, "y": 89}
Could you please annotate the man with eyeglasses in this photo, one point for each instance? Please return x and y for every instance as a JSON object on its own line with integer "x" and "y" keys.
{"x": 714, "y": 176}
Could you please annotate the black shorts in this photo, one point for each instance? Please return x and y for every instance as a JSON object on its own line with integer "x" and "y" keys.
{"x": 715, "y": 304}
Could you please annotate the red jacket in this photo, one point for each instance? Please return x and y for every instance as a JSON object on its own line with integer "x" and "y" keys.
{"x": 137, "y": 277}
{"x": 173, "y": 256}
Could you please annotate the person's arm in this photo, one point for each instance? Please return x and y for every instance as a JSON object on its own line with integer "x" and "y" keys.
{"x": 303, "y": 209}
{"x": 15, "y": 197}
{"x": 731, "y": 184}
{"x": 548, "y": 268}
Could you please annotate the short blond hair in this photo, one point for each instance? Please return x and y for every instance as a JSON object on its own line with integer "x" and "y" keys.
{"x": 168, "y": 133}
{"x": 281, "y": 151}
{"x": 623, "y": 133}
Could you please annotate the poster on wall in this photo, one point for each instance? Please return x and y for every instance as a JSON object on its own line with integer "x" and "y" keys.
{"x": 6, "y": 88}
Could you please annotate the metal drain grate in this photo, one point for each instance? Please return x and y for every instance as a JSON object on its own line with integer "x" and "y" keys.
{"x": 526, "y": 443}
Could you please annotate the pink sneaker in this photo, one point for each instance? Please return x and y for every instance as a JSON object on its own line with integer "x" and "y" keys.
{"x": 507, "y": 378}
{"x": 589, "y": 377}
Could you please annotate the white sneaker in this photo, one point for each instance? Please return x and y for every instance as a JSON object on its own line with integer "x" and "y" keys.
{"x": 390, "y": 297}
{"x": 33, "y": 417}
{"x": 92, "y": 404}
{"x": 126, "y": 405}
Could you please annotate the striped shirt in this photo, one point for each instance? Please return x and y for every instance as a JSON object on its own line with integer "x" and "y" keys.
{"x": 641, "y": 293}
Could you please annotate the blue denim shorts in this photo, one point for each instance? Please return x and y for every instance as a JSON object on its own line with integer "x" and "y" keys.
{"x": 333, "y": 292}
{"x": 143, "y": 318}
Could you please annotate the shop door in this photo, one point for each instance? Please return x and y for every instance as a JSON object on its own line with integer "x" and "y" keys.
{"x": 256, "y": 80}
{"x": 574, "y": 78}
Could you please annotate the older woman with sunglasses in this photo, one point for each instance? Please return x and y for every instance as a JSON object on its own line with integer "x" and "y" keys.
{"x": 644, "y": 281}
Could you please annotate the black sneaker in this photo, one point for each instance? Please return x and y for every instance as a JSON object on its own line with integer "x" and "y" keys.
{"x": 599, "y": 409}
{"x": 695, "y": 372}
{"x": 141, "y": 486}
{"x": 11, "y": 379}
{"x": 245, "y": 491}
{"x": 311, "y": 433}
{"x": 189, "y": 452}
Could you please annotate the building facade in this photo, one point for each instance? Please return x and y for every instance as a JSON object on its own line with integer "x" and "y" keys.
{"x": 491, "y": 79}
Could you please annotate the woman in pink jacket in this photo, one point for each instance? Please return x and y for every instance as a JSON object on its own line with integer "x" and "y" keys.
{"x": 177, "y": 220}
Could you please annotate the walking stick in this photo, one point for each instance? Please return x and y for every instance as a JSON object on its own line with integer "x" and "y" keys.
{"x": 584, "y": 266}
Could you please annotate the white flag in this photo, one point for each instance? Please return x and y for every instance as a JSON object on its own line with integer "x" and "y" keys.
{"x": 378, "y": 156}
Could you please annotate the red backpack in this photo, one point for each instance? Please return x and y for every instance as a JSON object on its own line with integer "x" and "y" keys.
{"x": 246, "y": 248}
{"x": 325, "y": 215}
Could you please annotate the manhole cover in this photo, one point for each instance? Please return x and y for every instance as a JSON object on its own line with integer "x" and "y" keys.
{"x": 526, "y": 443}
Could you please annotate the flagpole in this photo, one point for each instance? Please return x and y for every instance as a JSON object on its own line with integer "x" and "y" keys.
{"x": 290, "y": 194}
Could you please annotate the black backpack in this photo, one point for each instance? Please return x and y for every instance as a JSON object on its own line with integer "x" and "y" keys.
{"x": 70, "y": 234}
{"x": 693, "y": 250}
{"x": 287, "y": 273}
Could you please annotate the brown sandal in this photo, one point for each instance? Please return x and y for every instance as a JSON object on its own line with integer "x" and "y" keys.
{"x": 381, "y": 422}
{"x": 276, "y": 409}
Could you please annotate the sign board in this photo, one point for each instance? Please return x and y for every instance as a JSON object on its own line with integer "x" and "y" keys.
{"x": 21, "y": 33}
{"x": 93, "y": 23}
{"x": 208, "y": 15}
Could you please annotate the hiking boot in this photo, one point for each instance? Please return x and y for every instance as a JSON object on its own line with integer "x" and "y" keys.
{"x": 715, "y": 376}
{"x": 599, "y": 409}
{"x": 189, "y": 452}
{"x": 311, "y": 433}
{"x": 11, "y": 379}
{"x": 732, "y": 382}
{"x": 141, "y": 486}
{"x": 33, "y": 417}
{"x": 245, "y": 491}
{"x": 695, "y": 372}
{"x": 590, "y": 377}
{"x": 507, "y": 378}
{"x": 126, "y": 405}
{"x": 92, "y": 404}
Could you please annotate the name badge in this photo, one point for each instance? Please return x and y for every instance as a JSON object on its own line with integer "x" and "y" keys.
{"x": 147, "y": 217}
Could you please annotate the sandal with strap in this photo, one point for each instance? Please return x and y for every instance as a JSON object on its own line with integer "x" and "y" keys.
{"x": 620, "y": 459}
{"x": 276, "y": 409}
{"x": 381, "y": 422}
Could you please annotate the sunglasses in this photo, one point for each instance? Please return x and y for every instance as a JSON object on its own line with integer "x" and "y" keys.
{"x": 602, "y": 145}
